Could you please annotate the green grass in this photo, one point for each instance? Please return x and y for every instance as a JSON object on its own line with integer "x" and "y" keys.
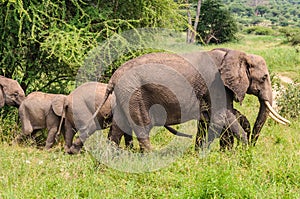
{"x": 268, "y": 170}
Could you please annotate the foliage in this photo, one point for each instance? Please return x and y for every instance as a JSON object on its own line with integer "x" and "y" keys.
{"x": 292, "y": 35}
{"x": 259, "y": 30}
{"x": 44, "y": 43}
{"x": 216, "y": 24}
{"x": 9, "y": 124}
{"x": 265, "y": 12}
{"x": 289, "y": 101}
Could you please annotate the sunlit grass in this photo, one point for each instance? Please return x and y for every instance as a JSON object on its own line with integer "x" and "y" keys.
{"x": 268, "y": 170}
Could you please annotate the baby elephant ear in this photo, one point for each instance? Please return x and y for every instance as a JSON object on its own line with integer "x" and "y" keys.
{"x": 58, "y": 105}
{"x": 234, "y": 73}
{"x": 2, "y": 100}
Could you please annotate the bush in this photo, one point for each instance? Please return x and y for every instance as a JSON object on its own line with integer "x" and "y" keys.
{"x": 259, "y": 30}
{"x": 9, "y": 124}
{"x": 216, "y": 23}
{"x": 292, "y": 35}
{"x": 289, "y": 101}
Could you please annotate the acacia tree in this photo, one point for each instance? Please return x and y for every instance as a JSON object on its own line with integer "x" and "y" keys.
{"x": 44, "y": 43}
{"x": 192, "y": 29}
{"x": 216, "y": 25}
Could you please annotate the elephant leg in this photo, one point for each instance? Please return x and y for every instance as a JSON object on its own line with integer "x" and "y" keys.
{"x": 115, "y": 134}
{"x": 142, "y": 134}
{"x": 128, "y": 140}
{"x": 50, "y": 138}
{"x": 201, "y": 134}
{"x": 215, "y": 127}
{"x": 26, "y": 131}
{"x": 244, "y": 122}
{"x": 235, "y": 127}
{"x": 226, "y": 140}
{"x": 68, "y": 134}
{"x": 85, "y": 133}
{"x": 76, "y": 147}
{"x": 202, "y": 126}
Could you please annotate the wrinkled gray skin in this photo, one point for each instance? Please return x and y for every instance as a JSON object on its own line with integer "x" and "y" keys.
{"x": 226, "y": 137}
{"x": 79, "y": 107}
{"x": 11, "y": 93}
{"x": 239, "y": 72}
{"x": 41, "y": 110}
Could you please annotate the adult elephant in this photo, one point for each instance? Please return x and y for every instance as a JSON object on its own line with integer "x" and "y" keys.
{"x": 11, "y": 93}
{"x": 81, "y": 104}
{"x": 79, "y": 107}
{"x": 39, "y": 111}
{"x": 164, "y": 89}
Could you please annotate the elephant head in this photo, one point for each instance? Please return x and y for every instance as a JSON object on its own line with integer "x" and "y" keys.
{"x": 11, "y": 92}
{"x": 246, "y": 73}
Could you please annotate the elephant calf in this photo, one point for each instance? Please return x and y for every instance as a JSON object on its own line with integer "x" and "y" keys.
{"x": 11, "y": 92}
{"x": 227, "y": 136}
{"x": 41, "y": 110}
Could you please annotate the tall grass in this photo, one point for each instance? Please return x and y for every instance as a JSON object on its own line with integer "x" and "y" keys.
{"x": 268, "y": 170}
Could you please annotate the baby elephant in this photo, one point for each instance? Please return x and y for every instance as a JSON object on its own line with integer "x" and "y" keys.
{"x": 226, "y": 137}
{"x": 41, "y": 110}
{"x": 11, "y": 93}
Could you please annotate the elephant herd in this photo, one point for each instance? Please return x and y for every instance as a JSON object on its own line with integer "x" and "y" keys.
{"x": 156, "y": 89}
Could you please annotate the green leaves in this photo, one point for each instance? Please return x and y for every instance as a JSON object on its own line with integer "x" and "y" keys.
{"x": 216, "y": 24}
{"x": 289, "y": 101}
{"x": 45, "y": 43}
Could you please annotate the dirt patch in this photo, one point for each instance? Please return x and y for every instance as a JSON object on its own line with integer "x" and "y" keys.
{"x": 285, "y": 79}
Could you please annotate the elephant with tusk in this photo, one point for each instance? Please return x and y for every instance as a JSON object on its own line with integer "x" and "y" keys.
{"x": 163, "y": 89}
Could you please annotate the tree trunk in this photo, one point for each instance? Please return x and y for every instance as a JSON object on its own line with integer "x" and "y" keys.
{"x": 192, "y": 30}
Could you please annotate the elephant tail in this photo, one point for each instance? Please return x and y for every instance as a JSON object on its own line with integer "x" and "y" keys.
{"x": 173, "y": 131}
{"x": 109, "y": 90}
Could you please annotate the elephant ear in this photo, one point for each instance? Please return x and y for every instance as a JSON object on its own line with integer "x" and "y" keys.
{"x": 235, "y": 74}
{"x": 2, "y": 100}
{"x": 58, "y": 105}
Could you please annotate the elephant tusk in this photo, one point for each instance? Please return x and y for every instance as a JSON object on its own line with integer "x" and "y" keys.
{"x": 275, "y": 114}
{"x": 276, "y": 119}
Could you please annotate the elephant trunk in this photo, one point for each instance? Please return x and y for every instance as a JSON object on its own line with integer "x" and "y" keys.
{"x": 265, "y": 110}
{"x": 260, "y": 121}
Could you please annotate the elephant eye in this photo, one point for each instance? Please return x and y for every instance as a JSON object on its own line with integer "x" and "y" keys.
{"x": 264, "y": 77}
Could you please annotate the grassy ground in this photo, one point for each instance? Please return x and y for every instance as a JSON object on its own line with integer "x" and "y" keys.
{"x": 269, "y": 170}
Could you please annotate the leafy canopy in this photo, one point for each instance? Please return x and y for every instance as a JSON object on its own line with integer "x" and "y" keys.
{"x": 217, "y": 25}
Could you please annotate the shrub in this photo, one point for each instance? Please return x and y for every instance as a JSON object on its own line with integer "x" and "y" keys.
{"x": 9, "y": 124}
{"x": 292, "y": 35}
{"x": 259, "y": 30}
{"x": 216, "y": 23}
{"x": 289, "y": 101}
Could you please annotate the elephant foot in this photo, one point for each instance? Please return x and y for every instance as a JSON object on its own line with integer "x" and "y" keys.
{"x": 145, "y": 145}
{"x": 73, "y": 150}
{"x": 204, "y": 153}
{"x": 48, "y": 146}
{"x": 18, "y": 140}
